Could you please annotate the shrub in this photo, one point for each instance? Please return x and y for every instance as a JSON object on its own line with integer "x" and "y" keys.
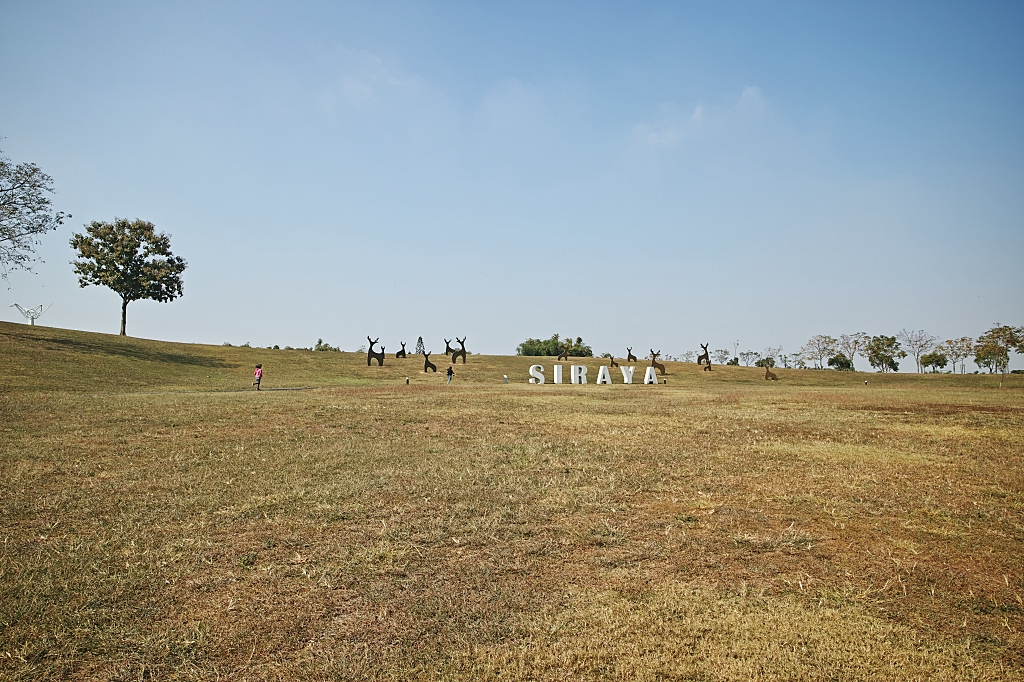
{"x": 321, "y": 346}
{"x": 554, "y": 346}
{"x": 840, "y": 362}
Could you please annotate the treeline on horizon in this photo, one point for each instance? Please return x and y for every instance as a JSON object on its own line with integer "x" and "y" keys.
{"x": 990, "y": 351}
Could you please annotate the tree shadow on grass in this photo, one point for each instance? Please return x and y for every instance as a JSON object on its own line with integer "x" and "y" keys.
{"x": 129, "y": 350}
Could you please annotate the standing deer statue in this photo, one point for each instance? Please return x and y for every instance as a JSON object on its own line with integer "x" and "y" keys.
{"x": 655, "y": 364}
{"x": 371, "y": 354}
{"x": 629, "y": 355}
{"x": 564, "y": 355}
{"x": 461, "y": 351}
{"x": 769, "y": 375}
{"x": 427, "y": 364}
{"x": 614, "y": 364}
{"x": 704, "y": 357}
{"x": 401, "y": 353}
{"x": 448, "y": 350}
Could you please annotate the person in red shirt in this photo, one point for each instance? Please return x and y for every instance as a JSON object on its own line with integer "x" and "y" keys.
{"x": 258, "y": 374}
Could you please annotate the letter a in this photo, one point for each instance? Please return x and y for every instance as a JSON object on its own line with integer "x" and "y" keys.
{"x": 627, "y": 374}
{"x": 536, "y": 374}
{"x": 651, "y": 377}
{"x": 603, "y": 377}
{"x": 557, "y": 369}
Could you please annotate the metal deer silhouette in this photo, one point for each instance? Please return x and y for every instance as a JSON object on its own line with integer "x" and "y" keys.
{"x": 372, "y": 354}
{"x": 629, "y": 355}
{"x": 704, "y": 357}
{"x": 655, "y": 364}
{"x": 427, "y": 364}
{"x": 448, "y": 350}
{"x": 564, "y": 355}
{"x": 401, "y": 353}
{"x": 461, "y": 351}
{"x": 769, "y": 375}
{"x": 614, "y": 364}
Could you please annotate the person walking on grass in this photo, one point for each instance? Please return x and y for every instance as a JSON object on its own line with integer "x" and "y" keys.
{"x": 451, "y": 373}
{"x": 257, "y": 375}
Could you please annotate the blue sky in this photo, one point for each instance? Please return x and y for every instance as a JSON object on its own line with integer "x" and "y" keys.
{"x": 655, "y": 175}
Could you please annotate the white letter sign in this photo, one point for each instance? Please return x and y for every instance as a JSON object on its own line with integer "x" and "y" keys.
{"x": 603, "y": 377}
{"x": 627, "y": 374}
{"x": 557, "y": 369}
{"x": 577, "y": 374}
{"x": 536, "y": 374}
{"x": 651, "y": 377}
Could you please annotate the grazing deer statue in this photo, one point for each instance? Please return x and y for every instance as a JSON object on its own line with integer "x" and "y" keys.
{"x": 655, "y": 364}
{"x": 629, "y": 355}
{"x": 769, "y": 375}
{"x": 448, "y": 350}
{"x": 614, "y": 364}
{"x": 704, "y": 357}
{"x": 427, "y": 364}
{"x": 371, "y": 354}
{"x": 564, "y": 355}
{"x": 461, "y": 351}
{"x": 401, "y": 353}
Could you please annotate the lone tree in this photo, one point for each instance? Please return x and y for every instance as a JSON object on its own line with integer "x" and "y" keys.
{"x": 935, "y": 359}
{"x": 130, "y": 258}
{"x": 420, "y": 348}
{"x": 24, "y": 213}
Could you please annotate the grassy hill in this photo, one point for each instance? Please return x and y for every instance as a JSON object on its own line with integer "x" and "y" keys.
{"x": 49, "y": 359}
{"x": 163, "y": 521}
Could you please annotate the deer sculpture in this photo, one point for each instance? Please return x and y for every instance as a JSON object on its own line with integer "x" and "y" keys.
{"x": 629, "y": 355}
{"x": 371, "y": 354}
{"x": 427, "y": 364}
{"x": 564, "y": 355}
{"x": 401, "y": 353}
{"x": 704, "y": 357}
{"x": 461, "y": 351}
{"x": 655, "y": 364}
{"x": 769, "y": 375}
{"x": 614, "y": 364}
{"x": 448, "y": 350}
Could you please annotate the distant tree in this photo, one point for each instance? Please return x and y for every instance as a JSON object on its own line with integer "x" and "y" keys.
{"x": 840, "y": 362}
{"x": 818, "y": 349}
{"x": 992, "y": 349}
{"x": 916, "y": 343}
{"x": 688, "y": 356}
{"x": 850, "y": 345}
{"x": 772, "y": 353}
{"x": 958, "y": 350}
{"x": 766, "y": 361}
{"x": 721, "y": 356}
{"x": 749, "y": 356}
{"x": 554, "y": 346}
{"x": 935, "y": 359}
{"x": 735, "y": 362}
{"x": 420, "y": 348}
{"x": 321, "y": 346}
{"x": 784, "y": 359}
{"x": 883, "y": 353}
{"x": 25, "y": 213}
{"x": 130, "y": 258}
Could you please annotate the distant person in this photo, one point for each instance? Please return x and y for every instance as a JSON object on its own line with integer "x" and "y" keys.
{"x": 257, "y": 375}
{"x": 451, "y": 373}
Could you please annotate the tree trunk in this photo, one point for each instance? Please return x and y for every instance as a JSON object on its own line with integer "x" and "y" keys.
{"x": 124, "y": 314}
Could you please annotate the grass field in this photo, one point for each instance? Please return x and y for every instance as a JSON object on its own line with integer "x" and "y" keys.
{"x": 162, "y": 521}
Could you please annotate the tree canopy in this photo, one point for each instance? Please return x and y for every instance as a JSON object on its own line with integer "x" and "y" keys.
{"x": 25, "y": 213}
{"x": 130, "y": 258}
{"x": 554, "y": 346}
{"x": 883, "y": 353}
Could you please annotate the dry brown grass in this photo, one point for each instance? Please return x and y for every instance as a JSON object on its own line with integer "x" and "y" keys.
{"x": 719, "y": 527}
